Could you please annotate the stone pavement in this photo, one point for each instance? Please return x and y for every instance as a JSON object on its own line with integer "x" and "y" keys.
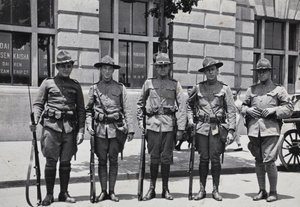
{"x": 14, "y": 160}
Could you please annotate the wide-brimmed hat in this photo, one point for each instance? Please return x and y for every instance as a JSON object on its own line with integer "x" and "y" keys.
{"x": 263, "y": 64}
{"x": 162, "y": 59}
{"x": 207, "y": 62}
{"x": 63, "y": 57}
{"x": 107, "y": 60}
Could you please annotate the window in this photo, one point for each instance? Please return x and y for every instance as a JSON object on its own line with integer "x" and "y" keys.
{"x": 274, "y": 35}
{"x": 17, "y": 67}
{"x": 132, "y": 45}
{"x": 15, "y": 58}
{"x": 15, "y": 12}
{"x": 45, "y": 54}
{"x": 277, "y": 41}
{"x": 106, "y": 17}
{"x": 133, "y": 71}
{"x": 132, "y": 18}
{"x": 45, "y": 13}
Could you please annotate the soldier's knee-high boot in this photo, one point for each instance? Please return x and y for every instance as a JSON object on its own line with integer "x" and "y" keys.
{"x": 102, "y": 173}
{"x": 64, "y": 175}
{"x": 261, "y": 178}
{"x": 165, "y": 172}
{"x": 203, "y": 172}
{"x": 215, "y": 172}
{"x": 50, "y": 174}
{"x": 153, "y": 176}
{"x": 113, "y": 173}
{"x": 272, "y": 173}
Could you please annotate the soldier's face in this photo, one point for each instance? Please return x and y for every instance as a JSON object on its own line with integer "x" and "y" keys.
{"x": 106, "y": 72}
{"x": 211, "y": 72}
{"x": 163, "y": 70}
{"x": 264, "y": 75}
{"x": 65, "y": 69}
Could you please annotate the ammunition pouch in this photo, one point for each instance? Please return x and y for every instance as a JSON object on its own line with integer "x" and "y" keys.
{"x": 210, "y": 119}
{"x": 164, "y": 111}
{"x": 59, "y": 115}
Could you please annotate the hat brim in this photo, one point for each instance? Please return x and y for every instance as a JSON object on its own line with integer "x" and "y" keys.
{"x": 63, "y": 62}
{"x": 263, "y": 68}
{"x": 218, "y": 65}
{"x": 99, "y": 65}
{"x": 165, "y": 63}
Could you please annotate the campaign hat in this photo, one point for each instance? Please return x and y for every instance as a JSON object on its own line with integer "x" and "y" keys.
{"x": 162, "y": 59}
{"x": 263, "y": 64}
{"x": 208, "y": 62}
{"x": 107, "y": 60}
{"x": 63, "y": 56}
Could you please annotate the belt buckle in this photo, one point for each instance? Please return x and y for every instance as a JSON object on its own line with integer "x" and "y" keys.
{"x": 58, "y": 114}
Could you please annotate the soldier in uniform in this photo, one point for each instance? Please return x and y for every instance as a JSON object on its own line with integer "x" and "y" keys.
{"x": 59, "y": 106}
{"x": 265, "y": 104}
{"x": 162, "y": 102}
{"x": 109, "y": 107}
{"x": 210, "y": 106}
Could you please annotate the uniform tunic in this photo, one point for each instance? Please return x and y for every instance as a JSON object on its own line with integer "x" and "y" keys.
{"x": 58, "y": 96}
{"x": 264, "y": 132}
{"x": 207, "y": 106}
{"x": 108, "y": 98}
{"x": 164, "y": 104}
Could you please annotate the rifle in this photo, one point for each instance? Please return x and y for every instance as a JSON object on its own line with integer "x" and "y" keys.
{"x": 142, "y": 168}
{"x": 92, "y": 162}
{"x": 191, "y": 164}
{"x": 142, "y": 155}
{"x": 34, "y": 150}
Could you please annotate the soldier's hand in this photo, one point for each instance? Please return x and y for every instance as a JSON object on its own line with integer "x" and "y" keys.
{"x": 130, "y": 136}
{"x": 229, "y": 139}
{"x": 90, "y": 130}
{"x": 79, "y": 138}
{"x": 179, "y": 134}
{"x": 268, "y": 111}
{"x": 32, "y": 126}
{"x": 142, "y": 127}
{"x": 254, "y": 112}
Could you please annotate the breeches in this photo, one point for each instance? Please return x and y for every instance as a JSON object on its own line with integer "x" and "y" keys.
{"x": 209, "y": 147}
{"x": 160, "y": 146}
{"x": 264, "y": 149}
{"x": 106, "y": 148}
{"x": 57, "y": 145}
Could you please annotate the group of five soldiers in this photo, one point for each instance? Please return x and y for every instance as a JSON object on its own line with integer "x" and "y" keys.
{"x": 162, "y": 106}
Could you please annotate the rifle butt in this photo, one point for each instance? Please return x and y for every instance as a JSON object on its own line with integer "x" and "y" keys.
{"x": 141, "y": 169}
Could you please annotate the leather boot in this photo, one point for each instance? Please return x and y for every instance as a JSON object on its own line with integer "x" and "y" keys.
{"x": 203, "y": 172}
{"x": 65, "y": 197}
{"x": 64, "y": 175}
{"x": 113, "y": 173}
{"x": 153, "y": 176}
{"x": 165, "y": 171}
{"x": 262, "y": 194}
{"x": 50, "y": 174}
{"x": 215, "y": 172}
{"x": 272, "y": 196}
{"x": 103, "y": 196}
{"x": 48, "y": 200}
{"x": 113, "y": 196}
{"x": 215, "y": 194}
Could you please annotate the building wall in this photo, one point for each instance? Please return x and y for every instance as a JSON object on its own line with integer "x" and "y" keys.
{"x": 222, "y": 29}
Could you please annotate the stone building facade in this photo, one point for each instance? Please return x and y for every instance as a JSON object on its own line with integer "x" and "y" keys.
{"x": 237, "y": 33}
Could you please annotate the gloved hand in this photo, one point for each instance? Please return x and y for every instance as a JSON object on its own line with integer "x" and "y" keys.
{"x": 142, "y": 127}
{"x": 130, "y": 136}
{"x": 79, "y": 138}
{"x": 179, "y": 134}
{"x": 90, "y": 130}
